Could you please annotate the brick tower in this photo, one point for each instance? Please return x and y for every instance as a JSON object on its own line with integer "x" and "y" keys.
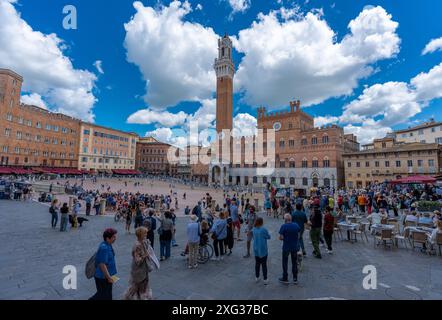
{"x": 225, "y": 71}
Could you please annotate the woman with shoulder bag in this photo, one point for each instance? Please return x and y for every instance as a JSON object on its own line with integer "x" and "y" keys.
{"x": 139, "y": 275}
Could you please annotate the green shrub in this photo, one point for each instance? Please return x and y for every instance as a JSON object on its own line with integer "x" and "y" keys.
{"x": 428, "y": 205}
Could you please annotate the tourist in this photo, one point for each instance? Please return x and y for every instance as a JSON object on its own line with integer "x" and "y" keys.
{"x": 193, "y": 241}
{"x": 251, "y": 218}
{"x": 53, "y": 210}
{"x": 289, "y": 234}
{"x": 64, "y": 217}
{"x": 76, "y": 211}
{"x": 139, "y": 275}
{"x": 219, "y": 233}
{"x": 97, "y": 205}
{"x": 361, "y": 203}
{"x": 198, "y": 211}
{"x": 229, "y": 241}
{"x": 88, "y": 200}
{"x": 329, "y": 224}
{"x": 435, "y": 232}
{"x": 165, "y": 231}
{"x": 172, "y": 212}
{"x": 300, "y": 218}
{"x": 436, "y": 217}
{"x": 235, "y": 219}
{"x": 106, "y": 266}
{"x": 130, "y": 212}
{"x": 187, "y": 211}
{"x": 138, "y": 216}
{"x": 315, "y": 231}
{"x": 275, "y": 206}
{"x": 260, "y": 237}
{"x": 151, "y": 224}
{"x": 268, "y": 207}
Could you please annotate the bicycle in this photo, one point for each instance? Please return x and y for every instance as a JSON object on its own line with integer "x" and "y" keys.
{"x": 205, "y": 252}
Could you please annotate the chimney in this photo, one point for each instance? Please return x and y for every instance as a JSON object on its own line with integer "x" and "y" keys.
{"x": 298, "y": 105}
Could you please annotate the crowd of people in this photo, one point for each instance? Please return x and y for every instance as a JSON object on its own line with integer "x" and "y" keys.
{"x": 224, "y": 224}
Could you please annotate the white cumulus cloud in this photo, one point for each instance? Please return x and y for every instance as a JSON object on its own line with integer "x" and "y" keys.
{"x": 33, "y": 99}
{"x": 174, "y": 56}
{"x": 46, "y": 70}
{"x": 432, "y": 46}
{"x": 301, "y": 58}
{"x": 239, "y": 5}
{"x": 382, "y": 106}
{"x": 164, "y": 118}
{"x": 322, "y": 121}
{"x": 245, "y": 125}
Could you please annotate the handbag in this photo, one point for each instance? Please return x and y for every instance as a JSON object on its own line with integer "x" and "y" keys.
{"x": 151, "y": 260}
{"x": 91, "y": 266}
{"x": 160, "y": 231}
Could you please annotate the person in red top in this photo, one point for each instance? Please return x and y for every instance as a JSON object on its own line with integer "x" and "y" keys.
{"x": 340, "y": 202}
{"x": 329, "y": 223}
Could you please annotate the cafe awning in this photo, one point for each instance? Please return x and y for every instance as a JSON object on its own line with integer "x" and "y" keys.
{"x": 414, "y": 180}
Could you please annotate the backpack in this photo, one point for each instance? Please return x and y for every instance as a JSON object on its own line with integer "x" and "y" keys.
{"x": 91, "y": 267}
{"x": 151, "y": 223}
{"x": 51, "y": 210}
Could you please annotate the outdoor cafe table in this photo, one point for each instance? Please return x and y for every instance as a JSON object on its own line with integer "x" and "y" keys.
{"x": 379, "y": 227}
{"x": 347, "y": 227}
{"x": 428, "y": 231}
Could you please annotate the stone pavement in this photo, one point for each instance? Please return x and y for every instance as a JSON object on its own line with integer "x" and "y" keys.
{"x": 32, "y": 257}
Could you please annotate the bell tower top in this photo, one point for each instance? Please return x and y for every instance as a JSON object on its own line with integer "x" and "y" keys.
{"x": 224, "y": 66}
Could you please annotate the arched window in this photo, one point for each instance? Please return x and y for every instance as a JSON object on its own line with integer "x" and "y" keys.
{"x": 305, "y": 181}
{"x": 325, "y": 139}
{"x": 326, "y": 162}
{"x": 292, "y": 181}
{"x": 281, "y": 143}
{"x": 255, "y": 179}
{"x": 314, "y": 140}
{"x": 304, "y": 141}
{"x": 304, "y": 163}
{"x": 315, "y": 163}
{"x": 292, "y": 163}
{"x": 282, "y": 180}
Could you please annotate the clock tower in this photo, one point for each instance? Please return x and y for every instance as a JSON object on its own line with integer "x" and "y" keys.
{"x": 225, "y": 71}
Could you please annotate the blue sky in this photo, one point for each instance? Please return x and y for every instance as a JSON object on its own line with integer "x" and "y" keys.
{"x": 285, "y": 49}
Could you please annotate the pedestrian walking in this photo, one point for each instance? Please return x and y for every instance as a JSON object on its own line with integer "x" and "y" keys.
{"x": 139, "y": 275}
{"x": 106, "y": 266}
{"x": 315, "y": 231}
{"x": 300, "y": 218}
{"x": 329, "y": 224}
